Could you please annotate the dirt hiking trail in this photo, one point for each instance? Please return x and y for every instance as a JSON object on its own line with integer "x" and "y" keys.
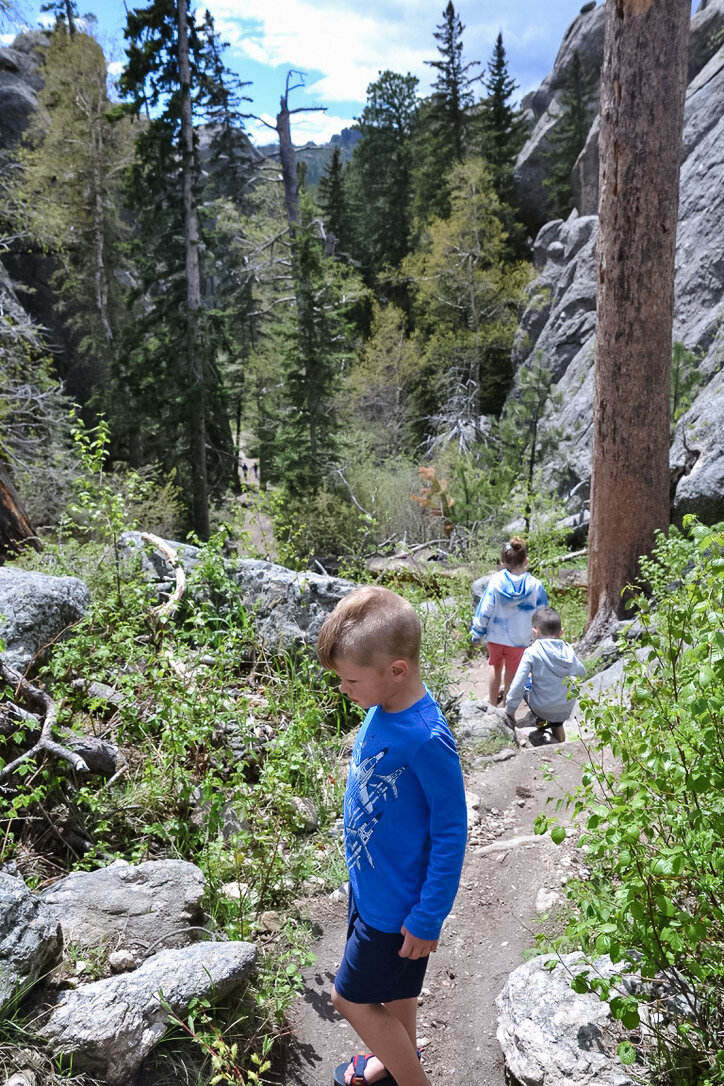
{"x": 509, "y": 879}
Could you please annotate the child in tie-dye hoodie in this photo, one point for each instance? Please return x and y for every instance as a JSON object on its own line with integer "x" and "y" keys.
{"x": 503, "y": 615}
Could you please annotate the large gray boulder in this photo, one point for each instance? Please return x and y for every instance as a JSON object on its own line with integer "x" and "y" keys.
{"x": 561, "y": 316}
{"x": 288, "y": 607}
{"x": 699, "y": 289}
{"x": 140, "y": 905}
{"x": 697, "y": 455}
{"x": 479, "y": 722}
{"x": 34, "y": 610}
{"x": 30, "y": 939}
{"x": 551, "y": 1034}
{"x": 110, "y": 1026}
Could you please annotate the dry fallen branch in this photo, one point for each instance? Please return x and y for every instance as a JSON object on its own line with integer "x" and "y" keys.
{"x": 48, "y": 713}
{"x": 169, "y": 607}
{"x": 12, "y": 717}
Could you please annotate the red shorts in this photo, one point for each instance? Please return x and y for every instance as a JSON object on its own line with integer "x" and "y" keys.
{"x": 510, "y": 655}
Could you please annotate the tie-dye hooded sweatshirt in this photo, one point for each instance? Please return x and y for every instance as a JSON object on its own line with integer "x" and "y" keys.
{"x": 504, "y": 613}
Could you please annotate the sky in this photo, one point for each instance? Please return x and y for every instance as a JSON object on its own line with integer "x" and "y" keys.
{"x": 342, "y": 45}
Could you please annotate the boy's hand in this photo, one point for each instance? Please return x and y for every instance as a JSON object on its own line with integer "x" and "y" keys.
{"x": 413, "y": 947}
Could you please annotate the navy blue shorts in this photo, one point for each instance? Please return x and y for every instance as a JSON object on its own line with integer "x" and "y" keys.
{"x": 371, "y": 970}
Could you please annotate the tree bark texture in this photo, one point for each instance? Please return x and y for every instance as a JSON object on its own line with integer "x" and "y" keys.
{"x": 643, "y": 84}
{"x": 14, "y": 525}
{"x": 288, "y": 161}
{"x": 196, "y": 370}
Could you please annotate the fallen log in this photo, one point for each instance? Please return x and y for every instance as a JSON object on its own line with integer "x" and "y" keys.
{"x": 167, "y": 609}
{"x": 48, "y": 714}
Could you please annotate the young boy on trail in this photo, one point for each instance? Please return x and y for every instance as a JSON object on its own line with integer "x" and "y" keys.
{"x": 405, "y": 829}
{"x": 503, "y": 615}
{"x": 542, "y": 672}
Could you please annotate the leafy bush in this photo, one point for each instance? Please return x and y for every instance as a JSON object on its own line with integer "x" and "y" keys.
{"x": 653, "y": 826}
{"x": 222, "y": 743}
{"x": 386, "y": 493}
{"x": 323, "y": 526}
{"x": 481, "y": 493}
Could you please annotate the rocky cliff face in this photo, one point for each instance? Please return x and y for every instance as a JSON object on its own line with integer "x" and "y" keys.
{"x": 542, "y": 108}
{"x": 19, "y": 84}
{"x": 29, "y": 272}
{"x": 560, "y": 319}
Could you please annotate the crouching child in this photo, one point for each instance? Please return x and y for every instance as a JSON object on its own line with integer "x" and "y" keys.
{"x": 541, "y": 675}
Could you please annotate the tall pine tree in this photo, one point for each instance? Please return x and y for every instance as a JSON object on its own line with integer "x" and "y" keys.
{"x": 332, "y": 200}
{"x": 443, "y": 129}
{"x": 313, "y": 340}
{"x": 173, "y": 74}
{"x": 379, "y": 177}
{"x": 502, "y": 127}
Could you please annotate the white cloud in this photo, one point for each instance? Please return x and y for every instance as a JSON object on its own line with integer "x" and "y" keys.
{"x": 347, "y": 45}
{"x": 344, "y": 44}
{"x": 317, "y": 127}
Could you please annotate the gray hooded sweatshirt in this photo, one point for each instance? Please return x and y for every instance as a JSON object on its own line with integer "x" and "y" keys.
{"x": 547, "y": 663}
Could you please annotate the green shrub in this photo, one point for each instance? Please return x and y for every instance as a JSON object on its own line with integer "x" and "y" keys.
{"x": 653, "y": 827}
{"x": 221, "y": 743}
{"x": 324, "y": 527}
{"x": 385, "y": 491}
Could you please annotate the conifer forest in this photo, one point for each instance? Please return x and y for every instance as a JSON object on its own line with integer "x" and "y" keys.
{"x": 237, "y": 375}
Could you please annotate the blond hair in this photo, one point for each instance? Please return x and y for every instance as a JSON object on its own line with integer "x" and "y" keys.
{"x": 370, "y": 625}
{"x": 514, "y": 553}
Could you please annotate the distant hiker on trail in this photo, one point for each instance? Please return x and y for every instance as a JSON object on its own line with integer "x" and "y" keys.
{"x": 255, "y": 469}
{"x": 542, "y": 673}
{"x": 503, "y": 615}
{"x": 405, "y": 828}
{"x": 245, "y": 469}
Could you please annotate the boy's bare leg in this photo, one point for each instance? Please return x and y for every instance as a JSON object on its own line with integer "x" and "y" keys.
{"x": 495, "y": 674}
{"x": 389, "y": 1031}
{"x": 558, "y": 732}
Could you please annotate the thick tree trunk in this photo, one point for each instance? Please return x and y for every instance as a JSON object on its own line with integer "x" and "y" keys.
{"x": 196, "y": 407}
{"x": 643, "y": 83}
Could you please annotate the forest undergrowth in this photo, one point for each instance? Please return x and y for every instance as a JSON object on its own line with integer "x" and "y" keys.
{"x": 211, "y": 723}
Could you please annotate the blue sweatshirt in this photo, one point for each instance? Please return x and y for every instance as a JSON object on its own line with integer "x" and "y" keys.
{"x": 405, "y": 820}
{"x": 504, "y": 613}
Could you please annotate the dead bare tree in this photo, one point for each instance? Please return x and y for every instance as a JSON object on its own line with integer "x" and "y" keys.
{"x": 168, "y": 609}
{"x": 286, "y": 147}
